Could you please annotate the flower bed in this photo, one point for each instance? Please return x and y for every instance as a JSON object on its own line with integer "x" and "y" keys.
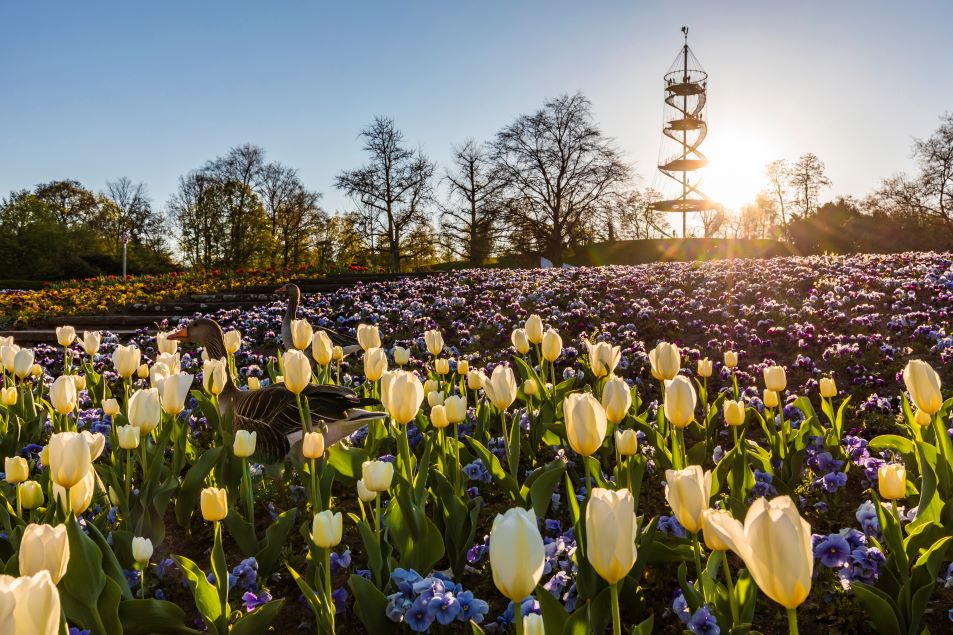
{"x": 711, "y": 447}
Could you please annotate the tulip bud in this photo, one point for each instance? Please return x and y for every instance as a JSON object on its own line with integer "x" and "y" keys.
{"x": 365, "y": 494}
{"x": 312, "y": 446}
{"x": 775, "y": 378}
{"x": 922, "y": 419}
{"x": 401, "y": 355}
{"x": 91, "y": 342}
{"x": 530, "y": 388}
{"x": 70, "y": 460}
{"x": 770, "y": 398}
{"x": 142, "y": 372}
{"x": 435, "y": 398}
{"x": 680, "y": 400}
{"x": 36, "y": 370}
{"x": 442, "y": 366}
{"x": 463, "y": 367}
{"x": 175, "y": 389}
{"x": 254, "y": 383}
{"x": 16, "y": 469}
{"x": 500, "y": 388}
{"x": 214, "y": 504}
{"x": 585, "y": 423}
{"x": 665, "y": 361}
{"x": 141, "y": 550}
{"x": 337, "y": 354}
{"x": 144, "y": 410}
{"x": 456, "y": 408}
{"x": 734, "y": 412}
{"x": 705, "y": 367}
{"x": 23, "y": 363}
{"x": 517, "y": 555}
{"x": 110, "y": 407}
{"x": 8, "y": 396}
{"x": 375, "y": 363}
{"x": 113, "y": 496}
{"x": 434, "y": 341}
{"x": 923, "y": 384}
{"x": 552, "y": 345}
{"x": 626, "y": 442}
{"x": 297, "y": 371}
{"x": 368, "y": 336}
{"x": 322, "y": 348}
{"x": 126, "y": 360}
{"x": 165, "y": 345}
{"x": 401, "y": 394}
{"x": 377, "y": 475}
{"x": 520, "y": 341}
{"x": 611, "y": 532}
{"x": 603, "y": 358}
{"x": 327, "y": 528}
{"x": 616, "y": 399}
{"x": 45, "y": 455}
{"x": 31, "y": 494}
{"x": 301, "y": 334}
{"x": 533, "y": 624}
{"x": 30, "y": 604}
{"x": 438, "y": 417}
{"x": 731, "y": 359}
{"x": 828, "y": 388}
{"x": 721, "y": 531}
{"x": 128, "y": 437}
{"x": 475, "y": 380}
{"x": 244, "y": 444}
{"x": 79, "y": 381}
{"x": 431, "y": 385}
{"x": 687, "y": 492}
{"x": 65, "y": 335}
{"x": 892, "y": 481}
{"x": 534, "y": 329}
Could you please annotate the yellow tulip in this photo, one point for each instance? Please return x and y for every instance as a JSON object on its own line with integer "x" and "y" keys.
{"x": 244, "y": 444}
{"x": 533, "y": 624}
{"x": 721, "y": 531}
{"x": 8, "y": 396}
{"x": 16, "y": 469}
{"x": 91, "y": 342}
{"x": 734, "y": 412}
{"x": 626, "y": 442}
{"x": 297, "y": 371}
{"x": 327, "y": 528}
{"x": 687, "y": 492}
{"x": 442, "y": 366}
{"x": 174, "y": 391}
{"x": 775, "y": 378}
{"x": 80, "y": 495}
{"x": 705, "y": 368}
{"x": 233, "y": 341}
{"x": 435, "y": 398}
{"x": 892, "y": 481}
{"x": 141, "y": 550}
{"x": 375, "y": 363}
{"x": 616, "y": 399}
{"x": 552, "y": 345}
{"x": 214, "y": 504}
{"x": 110, "y": 407}
{"x": 401, "y": 355}
{"x": 377, "y": 475}
{"x": 434, "y": 341}
{"x": 401, "y": 394}
{"x": 516, "y": 553}
{"x": 79, "y": 381}
{"x": 585, "y": 423}
{"x": 70, "y": 460}
{"x": 603, "y": 358}
{"x": 828, "y": 388}
{"x": 520, "y": 341}
{"x": 530, "y": 388}
{"x": 30, "y": 605}
{"x": 680, "y": 401}
{"x": 31, "y": 494}
{"x": 770, "y": 398}
{"x": 44, "y": 548}
{"x": 665, "y": 361}
{"x": 731, "y": 359}
{"x": 128, "y": 437}
{"x": 312, "y": 445}
{"x": 337, "y": 354}
{"x": 923, "y": 384}
{"x": 611, "y": 531}
{"x": 366, "y": 495}
{"x": 126, "y": 360}
{"x": 500, "y": 388}
{"x": 254, "y": 383}
{"x": 143, "y": 371}
{"x": 534, "y": 329}
{"x": 322, "y": 348}
{"x": 456, "y": 407}
{"x": 463, "y": 367}
{"x": 922, "y": 419}
{"x": 65, "y": 335}
{"x": 368, "y": 336}
{"x": 144, "y": 410}
{"x": 438, "y": 417}
{"x": 301, "y": 334}
{"x": 475, "y": 380}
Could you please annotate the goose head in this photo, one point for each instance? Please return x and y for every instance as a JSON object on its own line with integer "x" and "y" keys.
{"x": 205, "y": 333}
{"x": 290, "y": 290}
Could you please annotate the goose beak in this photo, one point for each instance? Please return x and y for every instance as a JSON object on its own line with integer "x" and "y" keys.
{"x": 282, "y": 289}
{"x": 182, "y": 334}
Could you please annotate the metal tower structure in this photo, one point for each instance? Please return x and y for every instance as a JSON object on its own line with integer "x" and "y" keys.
{"x": 686, "y": 91}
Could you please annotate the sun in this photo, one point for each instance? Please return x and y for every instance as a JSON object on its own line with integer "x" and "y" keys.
{"x": 737, "y": 159}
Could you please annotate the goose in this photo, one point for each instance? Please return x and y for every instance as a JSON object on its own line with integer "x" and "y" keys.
{"x": 272, "y": 412}
{"x": 347, "y": 344}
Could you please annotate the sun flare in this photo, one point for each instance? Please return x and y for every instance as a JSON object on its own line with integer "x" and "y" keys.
{"x": 735, "y": 173}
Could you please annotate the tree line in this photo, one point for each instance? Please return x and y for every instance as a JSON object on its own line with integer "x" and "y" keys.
{"x": 547, "y": 183}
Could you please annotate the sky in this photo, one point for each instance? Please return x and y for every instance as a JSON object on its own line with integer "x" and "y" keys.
{"x": 97, "y": 90}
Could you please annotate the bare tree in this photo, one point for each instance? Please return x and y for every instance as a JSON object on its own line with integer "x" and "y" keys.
{"x": 471, "y": 215}
{"x": 126, "y": 211}
{"x": 393, "y": 189}
{"x": 777, "y": 173}
{"x": 806, "y": 178}
{"x": 293, "y": 214}
{"x": 712, "y": 221}
{"x": 558, "y": 166}
{"x": 630, "y": 216}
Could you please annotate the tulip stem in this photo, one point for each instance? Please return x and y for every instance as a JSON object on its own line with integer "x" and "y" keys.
{"x": 304, "y": 411}
{"x": 19, "y": 504}
{"x": 316, "y": 503}
{"x": 377, "y": 518}
{"x": 327, "y": 586}
{"x": 405, "y": 452}
{"x": 456, "y": 453}
{"x": 249, "y": 495}
{"x": 142, "y": 582}
{"x": 129, "y": 466}
{"x": 696, "y": 551}
{"x": 732, "y": 601}
{"x": 518, "y": 618}
{"x": 616, "y": 616}
{"x": 792, "y": 622}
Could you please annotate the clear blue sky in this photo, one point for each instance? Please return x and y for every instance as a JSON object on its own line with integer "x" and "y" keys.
{"x": 97, "y": 90}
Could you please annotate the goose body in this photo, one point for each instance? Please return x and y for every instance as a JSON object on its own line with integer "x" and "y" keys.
{"x": 272, "y": 412}
{"x": 348, "y": 344}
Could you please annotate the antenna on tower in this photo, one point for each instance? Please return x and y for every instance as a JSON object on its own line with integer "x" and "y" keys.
{"x": 686, "y": 92}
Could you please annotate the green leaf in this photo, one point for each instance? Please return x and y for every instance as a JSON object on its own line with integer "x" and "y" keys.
{"x": 880, "y": 608}
{"x": 370, "y": 605}
{"x": 84, "y": 582}
{"x": 206, "y": 596}
{"x": 220, "y": 569}
{"x": 111, "y": 565}
{"x": 555, "y": 615}
{"x": 500, "y": 477}
{"x": 259, "y": 620}
{"x": 347, "y": 462}
{"x": 242, "y": 531}
{"x": 276, "y": 536}
{"x": 145, "y": 617}
{"x": 543, "y": 485}
{"x": 193, "y": 483}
